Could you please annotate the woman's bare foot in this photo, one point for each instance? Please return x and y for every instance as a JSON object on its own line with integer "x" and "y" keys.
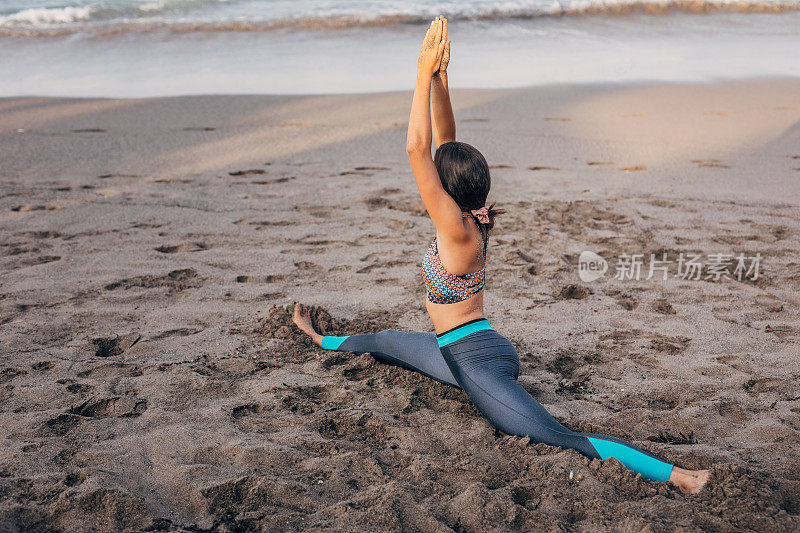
{"x": 689, "y": 481}
{"x": 302, "y": 320}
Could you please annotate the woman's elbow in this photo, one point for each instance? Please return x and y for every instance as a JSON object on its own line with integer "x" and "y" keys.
{"x": 416, "y": 147}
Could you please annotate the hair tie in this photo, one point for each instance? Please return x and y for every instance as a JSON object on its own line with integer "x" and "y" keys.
{"x": 481, "y": 214}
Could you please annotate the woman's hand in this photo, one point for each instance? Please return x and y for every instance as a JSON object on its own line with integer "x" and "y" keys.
{"x": 446, "y": 54}
{"x": 430, "y": 56}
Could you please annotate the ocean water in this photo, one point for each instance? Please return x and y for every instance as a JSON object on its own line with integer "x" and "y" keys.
{"x": 44, "y": 16}
{"x": 172, "y": 47}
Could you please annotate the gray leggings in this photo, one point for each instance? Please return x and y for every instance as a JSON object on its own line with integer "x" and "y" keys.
{"x": 485, "y": 365}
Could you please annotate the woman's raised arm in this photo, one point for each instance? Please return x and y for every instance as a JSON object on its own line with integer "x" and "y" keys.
{"x": 443, "y": 210}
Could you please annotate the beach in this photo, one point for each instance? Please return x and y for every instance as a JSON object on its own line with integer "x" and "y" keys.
{"x": 151, "y": 249}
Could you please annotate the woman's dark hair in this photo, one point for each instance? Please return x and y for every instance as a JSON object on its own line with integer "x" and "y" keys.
{"x": 465, "y": 177}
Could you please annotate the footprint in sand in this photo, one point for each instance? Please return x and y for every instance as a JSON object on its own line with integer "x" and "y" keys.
{"x": 62, "y": 424}
{"x": 763, "y": 385}
{"x": 184, "y": 247}
{"x": 362, "y": 171}
{"x": 662, "y": 306}
{"x": 8, "y": 374}
{"x": 262, "y": 224}
{"x": 107, "y": 176}
{"x": 38, "y": 260}
{"x": 74, "y": 479}
{"x": 711, "y": 163}
{"x": 335, "y": 359}
{"x": 177, "y": 332}
{"x": 115, "y": 406}
{"x": 307, "y": 265}
{"x": 382, "y": 264}
{"x": 355, "y": 427}
{"x": 175, "y": 281}
{"x": 199, "y": 128}
{"x": 145, "y": 225}
{"x": 543, "y": 168}
{"x": 673, "y": 345}
{"x": 634, "y": 168}
{"x": 41, "y": 366}
{"x": 572, "y": 292}
{"x": 273, "y": 296}
{"x": 248, "y": 171}
{"x": 779, "y": 232}
{"x": 322, "y": 211}
{"x": 492, "y": 167}
{"x": 356, "y": 373}
{"x": 111, "y": 346}
{"x": 270, "y": 182}
{"x": 783, "y": 331}
{"x": 520, "y": 258}
{"x": 411, "y": 206}
{"x": 668, "y": 438}
{"x": 627, "y": 302}
{"x": 28, "y": 208}
{"x": 79, "y": 388}
{"x": 599, "y": 163}
{"x": 241, "y": 411}
{"x": 89, "y": 130}
{"x": 174, "y": 180}
{"x": 302, "y": 399}
{"x": 769, "y": 302}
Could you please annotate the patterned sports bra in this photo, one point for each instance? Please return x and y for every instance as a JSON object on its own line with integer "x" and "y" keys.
{"x": 446, "y": 288}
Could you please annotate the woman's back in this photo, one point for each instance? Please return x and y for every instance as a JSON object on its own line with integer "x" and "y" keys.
{"x": 454, "y": 275}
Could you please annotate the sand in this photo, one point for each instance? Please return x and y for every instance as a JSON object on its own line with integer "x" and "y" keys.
{"x": 151, "y": 377}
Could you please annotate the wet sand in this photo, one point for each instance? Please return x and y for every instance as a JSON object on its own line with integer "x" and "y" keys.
{"x": 151, "y": 377}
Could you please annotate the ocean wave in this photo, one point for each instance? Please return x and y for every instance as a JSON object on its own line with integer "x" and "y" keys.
{"x": 99, "y": 12}
{"x": 46, "y": 16}
{"x": 56, "y": 22}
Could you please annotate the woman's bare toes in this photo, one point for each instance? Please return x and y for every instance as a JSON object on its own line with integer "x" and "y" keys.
{"x": 302, "y": 320}
{"x": 702, "y": 478}
{"x": 690, "y": 481}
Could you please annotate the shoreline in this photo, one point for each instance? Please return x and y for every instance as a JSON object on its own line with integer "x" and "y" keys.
{"x": 597, "y": 84}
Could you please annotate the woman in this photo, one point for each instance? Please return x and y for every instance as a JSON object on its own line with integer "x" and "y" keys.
{"x": 466, "y": 352}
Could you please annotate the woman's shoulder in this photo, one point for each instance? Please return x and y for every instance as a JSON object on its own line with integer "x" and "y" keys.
{"x": 460, "y": 254}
